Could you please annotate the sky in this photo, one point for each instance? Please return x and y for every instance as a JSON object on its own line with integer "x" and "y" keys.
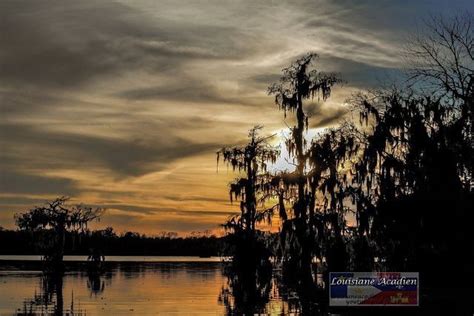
{"x": 124, "y": 104}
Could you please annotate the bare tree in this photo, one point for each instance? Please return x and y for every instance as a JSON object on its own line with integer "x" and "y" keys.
{"x": 443, "y": 56}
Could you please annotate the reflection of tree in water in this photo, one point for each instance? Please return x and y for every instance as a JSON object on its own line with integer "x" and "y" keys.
{"x": 249, "y": 277}
{"x": 249, "y": 273}
{"x": 266, "y": 292}
{"x": 95, "y": 270}
{"x": 297, "y": 299}
{"x": 50, "y": 299}
{"x": 247, "y": 292}
{"x": 95, "y": 283}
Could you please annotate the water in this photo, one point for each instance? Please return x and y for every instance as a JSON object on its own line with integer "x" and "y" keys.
{"x": 165, "y": 286}
{"x": 121, "y": 258}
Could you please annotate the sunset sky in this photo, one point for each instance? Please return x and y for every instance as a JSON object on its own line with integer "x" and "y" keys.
{"x": 123, "y": 104}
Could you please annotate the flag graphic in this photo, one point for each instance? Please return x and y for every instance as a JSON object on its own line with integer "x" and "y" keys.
{"x": 373, "y": 288}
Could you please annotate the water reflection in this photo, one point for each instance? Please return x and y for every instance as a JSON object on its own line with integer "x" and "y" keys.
{"x": 96, "y": 283}
{"x": 151, "y": 288}
{"x": 49, "y": 299}
{"x": 172, "y": 288}
{"x": 246, "y": 292}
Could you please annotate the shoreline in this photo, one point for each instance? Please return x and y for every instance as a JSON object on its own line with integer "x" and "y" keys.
{"x": 111, "y": 262}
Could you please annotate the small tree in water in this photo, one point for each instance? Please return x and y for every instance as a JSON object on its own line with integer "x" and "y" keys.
{"x": 250, "y": 270}
{"x": 50, "y": 224}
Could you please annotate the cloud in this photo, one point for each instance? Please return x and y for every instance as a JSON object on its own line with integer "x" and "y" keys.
{"x": 323, "y": 116}
{"x": 183, "y": 222}
{"x": 126, "y": 157}
{"x": 186, "y": 90}
{"x": 125, "y": 102}
{"x": 15, "y": 182}
{"x": 50, "y": 47}
{"x": 64, "y": 45}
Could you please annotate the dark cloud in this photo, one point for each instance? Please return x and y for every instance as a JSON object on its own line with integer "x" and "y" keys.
{"x": 41, "y": 149}
{"x": 22, "y": 101}
{"x": 16, "y": 182}
{"x": 63, "y": 44}
{"x": 263, "y": 81}
{"x": 49, "y": 43}
{"x": 322, "y": 115}
{"x": 207, "y": 213}
{"x": 187, "y": 90}
{"x": 360, "y": 75}
{"x": 184, "y": 197}
{"x": 132, "y": 209}
{"x": 184, "y": 222}
{"x": 20, "y": 200}
{"x": 137, "y": 210}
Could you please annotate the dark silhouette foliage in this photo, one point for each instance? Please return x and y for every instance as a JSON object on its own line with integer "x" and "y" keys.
{"x": 252, "y": 189}
{"x": 109, "y": 243}
{"x": 49, "y": 224}
{"x": 392, "y": 190}
{"x": 249, "y": 271}
{"x": 299, "y": 237}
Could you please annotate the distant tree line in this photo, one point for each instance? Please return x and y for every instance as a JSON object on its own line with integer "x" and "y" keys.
{"x": 23, "y": 242}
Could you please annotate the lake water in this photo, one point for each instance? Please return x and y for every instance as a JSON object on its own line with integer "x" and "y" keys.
{"x": 158, "y": 285}
{"x": 122, "y": 258}
{"x": 164, "y": 286}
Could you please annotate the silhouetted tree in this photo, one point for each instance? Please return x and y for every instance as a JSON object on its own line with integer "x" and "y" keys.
{"x": 403, "y": 172}
{"x": 300, "y": 82}
{"x": 417, "y": 155}
{"x": 251, "y": 190}
{"x": 330, "y": 156}
{"x": 416, "y": 164}
{"x": 49, "y": 300}
{"x": 50, "y": 223}
{"x": 441, "y": 58}
{"x": 23, "y": 242}
{"x": 249, "y": 272}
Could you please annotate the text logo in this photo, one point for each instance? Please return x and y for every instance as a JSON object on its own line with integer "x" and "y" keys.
{"x": 373, "y": 288}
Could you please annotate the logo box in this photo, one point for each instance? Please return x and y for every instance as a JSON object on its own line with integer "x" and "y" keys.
{"x": 373, "y": 289}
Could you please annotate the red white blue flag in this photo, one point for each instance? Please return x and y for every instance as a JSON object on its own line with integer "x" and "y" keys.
{"x": 373, "y": 288}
